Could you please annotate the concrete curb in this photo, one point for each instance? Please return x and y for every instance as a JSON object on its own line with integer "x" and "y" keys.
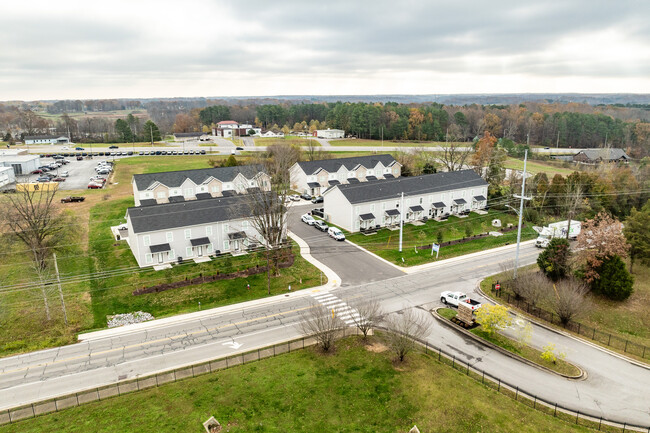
{"x": 427, "y": 266}
{"x": 333, "y": 281}
{"x": 582, "y": 376}
{"x": 537, "y": 322}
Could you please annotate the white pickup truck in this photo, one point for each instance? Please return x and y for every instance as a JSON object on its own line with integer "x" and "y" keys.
{"x": 454, "y": 298}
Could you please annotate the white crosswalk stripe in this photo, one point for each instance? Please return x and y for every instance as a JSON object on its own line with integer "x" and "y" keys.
{"x": 344, "y": 312}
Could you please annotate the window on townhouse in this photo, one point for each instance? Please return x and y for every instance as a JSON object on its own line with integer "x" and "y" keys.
{"x": 169, "y": 236}
{"x": 189, "y": 192}
{"x": 146, "y": 240}
{"x": 372, "y": 208}
{"x": 357, "y": 209}
{"x": 397, "y": 204}
{"x": 244, "y": 225}
{"x": 208, "y": 231}
{"x": 210, "y": 249}
{"x": 188, "y": 251}
{"x": 383, "y": 206}
{"x": 148, "y": 258}
{"x": 421, "y": 200}
{"x": 226, "y": 245}
{"x": 370, "y": 172}
{"x": 171, "y": 255}
{"x": 161, "y": 194}
{"x": 226, "y": 228}
{"x": 188, "y": 233}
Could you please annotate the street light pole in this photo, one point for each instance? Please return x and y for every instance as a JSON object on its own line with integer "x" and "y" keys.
{"x": 521, "y": 213}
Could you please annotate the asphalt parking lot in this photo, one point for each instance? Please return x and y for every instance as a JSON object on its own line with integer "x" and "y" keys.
{"x": 80, "y": 172}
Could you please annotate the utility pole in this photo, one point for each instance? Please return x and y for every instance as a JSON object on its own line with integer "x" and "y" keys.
{"x": 382, "y": 136}
{"x": 521, "y": 213}
{"x": 151, "y": 129}
{"x": 557, "y": 143}
{"x": 58, "y": 280}
{"x": 401, "y": 221}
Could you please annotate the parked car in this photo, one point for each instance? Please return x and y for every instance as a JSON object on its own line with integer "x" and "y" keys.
{"x": 318, "y": 199}
{"x": 305, "y": 196}
{"x": 59, "y": 179}
{"x": 203, "y": 152}
{"x": 94, "y": 185}
{"x": 72, "y": 199}
{"x": 308, "y": 219}
{"x": 65, "y": 148}
{"x": 294, "y": 197}
{"x": 80, "y": 158}
{"x": 113, "y": 147}
{"x": 335, "y": 233}
{"x": 65, "y": 174}
{"x": 239, "y": 148}
{"x": 43, "y": 179}
{"x": 38, "y": 171}
{"x": 79, "y": 148}
{"x": 320, "y": 225}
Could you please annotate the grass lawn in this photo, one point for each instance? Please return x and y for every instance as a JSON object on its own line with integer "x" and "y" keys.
{"x": 512, "y": 346}
{"x": 627, "y": 320}
{"x": 356, "y": 389}
{"x": 385, "y": 243}
{"x": 289, "y": 139}
{"x": 550, "y": 168}
{"x": 388, "y": 143}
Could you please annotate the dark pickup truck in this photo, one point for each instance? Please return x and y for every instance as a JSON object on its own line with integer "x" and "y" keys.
{"x": 72, "y": 199}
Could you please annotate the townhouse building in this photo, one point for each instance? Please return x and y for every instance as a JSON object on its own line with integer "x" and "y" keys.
{"x": 314, "y": 177}
{"x": 362, "y": 206}
{"x": 186, "y": 185}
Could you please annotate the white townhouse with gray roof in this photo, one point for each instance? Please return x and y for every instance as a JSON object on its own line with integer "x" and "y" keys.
{"x": 204, "y": 183}
{"x": 314, "y": 177}
{"x": 362, "y": 206}
{"x": 192, "y": 230}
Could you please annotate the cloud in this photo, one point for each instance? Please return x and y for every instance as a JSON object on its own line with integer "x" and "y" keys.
{"x": 56, "y": 49}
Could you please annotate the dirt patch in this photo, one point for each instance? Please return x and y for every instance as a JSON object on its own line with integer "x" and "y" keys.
{"x": 376, "y": 347}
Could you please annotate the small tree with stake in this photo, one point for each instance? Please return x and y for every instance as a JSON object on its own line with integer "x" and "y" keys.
{"x": 322, "y": 324}
{"x": 403, "y": 329}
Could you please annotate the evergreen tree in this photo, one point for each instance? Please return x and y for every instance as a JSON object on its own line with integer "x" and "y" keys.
{"x": 637, "y": 233}
{"x": 554, "y": 260}
{"x": 123, "y": 131}
{"x": 615, "y": 281}
{"x": 151, "y": 132}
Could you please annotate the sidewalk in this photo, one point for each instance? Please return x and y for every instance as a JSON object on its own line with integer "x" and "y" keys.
{"x": 333, "y": 281}
{"x": 444, "y": 262}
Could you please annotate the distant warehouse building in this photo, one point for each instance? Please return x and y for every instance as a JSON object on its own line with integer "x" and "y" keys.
{"x": 329, "y": 133}
{"x": 7, "y": 178}
{"x": 594, "y": 156}
{"x": 361, "y": 206}
{"x": 46, "y": 139}
{"x": 22, "y": 164}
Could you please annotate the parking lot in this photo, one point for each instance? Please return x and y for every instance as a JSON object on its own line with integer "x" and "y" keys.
{"x": 79, "y": 172}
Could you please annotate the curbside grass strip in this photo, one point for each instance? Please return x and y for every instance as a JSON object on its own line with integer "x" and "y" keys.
{"x": 581, "y": 376}
{"x": 108, "y": 391}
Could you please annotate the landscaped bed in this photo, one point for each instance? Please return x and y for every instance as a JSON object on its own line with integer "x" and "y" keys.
{"x": 512, "y": 346}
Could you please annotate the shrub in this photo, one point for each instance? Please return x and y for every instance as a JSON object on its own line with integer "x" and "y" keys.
{"x": 493, "y": 317}
{"x": 550, "y": 355}
{"x": 615, "y": 281}
{"x": 554, "y": 260}
{"x": 569, "y": 299}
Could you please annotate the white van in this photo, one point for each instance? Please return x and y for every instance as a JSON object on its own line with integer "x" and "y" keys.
{"x": 335, "y": 233}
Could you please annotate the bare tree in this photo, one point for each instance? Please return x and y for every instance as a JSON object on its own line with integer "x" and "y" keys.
{"x": 369, "y": 315}
{"x": 322, "y": 324}
{"x": 533, "y": 287}
{"x": 569, "y": 299}
{"x": 404, "y": 328}
{"x": 454, "y": 156}
{"x": 313, "y": 151}
{"x": 35, "y": 220}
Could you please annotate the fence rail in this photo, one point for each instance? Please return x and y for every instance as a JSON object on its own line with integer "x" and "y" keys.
{"x": 124, "y": 387}
{"x": 581, "y": 329}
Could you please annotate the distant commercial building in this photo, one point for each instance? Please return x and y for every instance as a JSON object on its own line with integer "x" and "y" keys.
{"x": 22, "y": 164}
{"x": 230, "y": 128}
{"x": 46, "y": 139}
{"x": 190, "y": 136}
{"x": 329, "y": 133}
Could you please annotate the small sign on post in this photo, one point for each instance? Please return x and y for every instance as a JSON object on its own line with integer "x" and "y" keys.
{"x": 435, "y": 247}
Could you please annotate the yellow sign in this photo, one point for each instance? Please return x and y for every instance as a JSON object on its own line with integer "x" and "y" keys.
{"x": 37, "y": 186}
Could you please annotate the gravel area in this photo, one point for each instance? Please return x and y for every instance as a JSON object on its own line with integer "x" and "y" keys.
{"x": 128, "y": 319}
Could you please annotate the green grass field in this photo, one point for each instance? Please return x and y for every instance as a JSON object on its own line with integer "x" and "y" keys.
{"x": 550, "y": 168}
{"x": 388, "y": 143}
{"x": 289, "y": 139}
{"x": 385, "y": 243}
{"x": 356, "y": 389}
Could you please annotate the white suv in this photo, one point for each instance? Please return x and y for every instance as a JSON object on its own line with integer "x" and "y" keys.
{"x": 308, "y": 219}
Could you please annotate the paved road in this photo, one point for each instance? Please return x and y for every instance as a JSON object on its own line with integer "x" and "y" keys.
{"x": 353, "y": 265}
{"x": 615, "y": 388}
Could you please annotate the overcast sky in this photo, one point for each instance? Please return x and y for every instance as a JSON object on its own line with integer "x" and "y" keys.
{"x": 69, "y": 49}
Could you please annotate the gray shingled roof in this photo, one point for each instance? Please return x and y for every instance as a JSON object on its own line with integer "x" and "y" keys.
{"x": 605, "y": 154}
{"x": 43, "y": 137}
{"x": 173, "y": 215}
{"x": 174, "y": 179}
{"x": 333, "y": 165}
{"x": 417, "y": 185}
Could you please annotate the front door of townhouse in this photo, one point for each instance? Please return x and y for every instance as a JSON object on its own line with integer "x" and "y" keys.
{"x": 200, "y": 251}
{"x": 160, "y": 257}
{"x": 236, "y": 245}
